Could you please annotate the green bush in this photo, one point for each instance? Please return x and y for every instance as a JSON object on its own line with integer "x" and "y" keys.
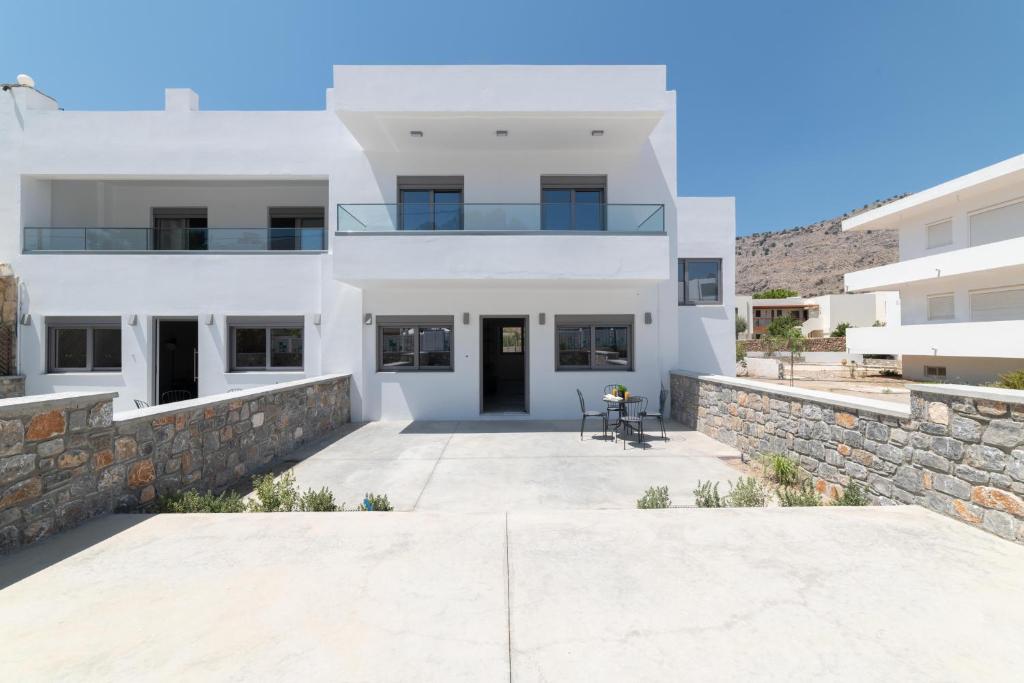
{"x": 318, "y": 501}
{"x": 853, "y": 495}
{"x": 840, "y": 330}
{"x": 783, "y": 325}
{"x": 1011, "y": 380}
{"x": 707, "y": 496}
{"x": 274, "y": 496}
{"x": 777, "y": 293}
{"x": 741, "y": 325}
{"x": 654, "y": 498}
{"x": 780, "y": 469}
{"x": 890, "y": 372}
{"x": 375, "y": 503}
{"x": 803, "y": 495}
{"x": 747, "y": 493}
{"x": 192, "y": 501}
{"x": 741, "y": 351}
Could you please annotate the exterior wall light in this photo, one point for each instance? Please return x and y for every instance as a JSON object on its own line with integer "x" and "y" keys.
{"x": 26, "y": 319}
{"x": 316, "y": 318}
{"x": 501, "y": 133}
{"x": 648, "y": 318}
{"x": 541, "y": 318}
{"x": 132, "y": 320}
{"x": 209, "y": 318}
{"x": 465, "y": 318}
{"x": 416, "y": 133}
{"x": 368, "y": 319}
{"x": 597, "y": 133}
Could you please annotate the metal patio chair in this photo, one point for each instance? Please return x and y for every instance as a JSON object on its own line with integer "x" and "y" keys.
{"x": 610, "y": 407}
{"x": 175, "y": 395}
{"x": 591, "y": 413}
{"x": 632, "y": 420}
{"x": 659, "y": 414}
{"x": 140, "y": 404}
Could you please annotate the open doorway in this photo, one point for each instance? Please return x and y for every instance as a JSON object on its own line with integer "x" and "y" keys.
{"x": 177, "y": 352}
{"x": 503, "y": 353}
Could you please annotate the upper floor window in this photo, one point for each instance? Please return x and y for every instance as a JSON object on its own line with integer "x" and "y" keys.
{"x": 941, "y": 307}
{"x": 997, "y": 223}
{"x": 180, "y": 229}
{"x": 998, "y": 304}
{"x": 700, "y": 281}
{"x": 83, "y": 344}
{"x": 296, "y": 228}
{"x": 573, "y": 202}
{"x": 939, "y": 234}
{"x": 267, "y": 344}
{"x": 430, "y": 203}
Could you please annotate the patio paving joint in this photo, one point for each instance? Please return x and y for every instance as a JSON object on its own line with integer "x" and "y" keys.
{"x": 440, "y": 455}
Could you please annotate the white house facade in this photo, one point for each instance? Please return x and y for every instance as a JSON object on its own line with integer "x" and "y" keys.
{"x": 960, "y": 277}
{"x": 464, "y": 241}
{"x": 819, "y": 315}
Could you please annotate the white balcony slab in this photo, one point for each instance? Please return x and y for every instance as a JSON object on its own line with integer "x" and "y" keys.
{"x": 969, "y": 339}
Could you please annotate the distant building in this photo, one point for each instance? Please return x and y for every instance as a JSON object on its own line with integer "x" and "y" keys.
{"x": 819, "y": 315}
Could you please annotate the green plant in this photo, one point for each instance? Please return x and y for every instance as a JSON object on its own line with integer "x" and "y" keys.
{"x": 853, "y": 495}
{"x": 707, "y": 496}
{"x": 741, "y": 351}
{"x": 1011, "y": 380}
{"x": 274, "y": 496}
{"x": 741, "y": 325}
{"x": 878, "y": 323}
{"x": 803, "y": 495}
{"x": 318, "y": 501}
{"x": 654, "y": 497}
{"x": 890, "y": 372}
{"x": 192, "y": 501}
{"x": 777, "y": 293}
{"x": 747, "y": 493}
{"x": 780, "y": 469}
{"x": 373, "y": 502}
{"x": 781, "y": 325}
{"x": 840, "y": 330}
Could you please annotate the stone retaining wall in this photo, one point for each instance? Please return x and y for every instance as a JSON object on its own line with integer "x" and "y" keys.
{"x": 12, "y": 386}
{"x": 811, "y": 344}
{"x": 958, "y": 450}
{"x": 66, "y": 457}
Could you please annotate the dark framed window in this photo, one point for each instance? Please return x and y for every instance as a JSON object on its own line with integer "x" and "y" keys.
{"x": 407, "y": 344}
{"x": 180, "y": 229}
{"x": 512, "y": 339}
{"x": 594, "y": 342}
{"x": 296, "y": 229}
{"x": 700, "y": 281}
{"x": 573, "y": 202}
{"x": 430, "y": 203}
{"x": 259, "y": 345}
{"x": 83, "y": 345}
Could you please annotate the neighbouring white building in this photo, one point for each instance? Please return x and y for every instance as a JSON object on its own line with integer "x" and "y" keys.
{"x": 960, "y": 277}
{"x": 463, "y": 240}
{"x": 819, "y": 315}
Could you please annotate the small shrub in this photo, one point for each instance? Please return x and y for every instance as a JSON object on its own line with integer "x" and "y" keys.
{"x": 780, "y": 469}
{"x": 741, "y": 351}
{"x": 707, "y": 496}
{"x": 741, "y": 325}
{"x": 748, "y": 493}
{"x": 274, "y": 496}
{"x": 840, "y": 330}
{"x": 318, "y": 501}
{"x": 192, "y": 501}
{"x": 778, "y": 293}
{"x": 1011, "y": 380}
{"x": 890, "y": 372}
{"x": 654, "y": 498}
{"x": 373, "y": 502}
{"x": 799, "y": 496}
{"x": 853, "y": 495}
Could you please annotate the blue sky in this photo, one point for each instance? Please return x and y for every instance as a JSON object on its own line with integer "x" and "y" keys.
{"x": 801, "y": 109}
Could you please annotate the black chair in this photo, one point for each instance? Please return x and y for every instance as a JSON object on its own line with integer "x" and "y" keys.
{"x": 632, "y": 420}
{"x": 140, "y": 404}
{"x": 175, "y": 395}
{"x": 612, "y": 407}
{"x": 659, "y": 415}
{"x": 591, "y": 413}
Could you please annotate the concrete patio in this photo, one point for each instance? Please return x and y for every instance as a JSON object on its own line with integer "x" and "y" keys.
{"x": 503, "y": 465}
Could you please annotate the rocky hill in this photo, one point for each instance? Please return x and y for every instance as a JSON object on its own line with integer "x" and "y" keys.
{"x": 812, "y": 259}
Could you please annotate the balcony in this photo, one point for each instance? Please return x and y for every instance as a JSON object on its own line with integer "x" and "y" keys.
{"x": 606, "y": 243}
{"x": 173, "y": 240}
{"x": 997, "y": 339}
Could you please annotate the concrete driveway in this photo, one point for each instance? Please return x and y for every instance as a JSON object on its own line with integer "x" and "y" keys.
{"x": 497, "y": 466}
{"x": 615, "y": 595}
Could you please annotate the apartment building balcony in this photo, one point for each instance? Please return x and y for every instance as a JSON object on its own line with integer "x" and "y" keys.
{"x": 170, "y": 240}
{"x": 613, "y": 243}
{"x": 997, "y": 339}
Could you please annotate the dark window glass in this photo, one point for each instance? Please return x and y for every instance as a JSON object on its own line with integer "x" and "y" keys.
{"x": 574, "y": 347}
{"x": 398, "y": 347}
{"x": 286, "y": 347}
{"x": 106, "y": 348}
{"x": 589, "y": 210}
{"x": 611, "y": 347}
{"x": 250, "y": 347}
{"x": 435, "y": 347}
{"x": 567, "y": 209}
{"x": 416, "y": 210}
{"x": 180, "y": 233}
{"x": 700, "y": 281}
{"x": 556, "y": 209}
{"x": 448, "y": 210}
{"x": 72, "y": 348}
{"x": 431, "y": 210}
{"x": 302, "y": 230}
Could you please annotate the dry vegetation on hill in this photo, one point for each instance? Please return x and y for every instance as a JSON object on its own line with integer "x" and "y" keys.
{"x": 811, "y": 259}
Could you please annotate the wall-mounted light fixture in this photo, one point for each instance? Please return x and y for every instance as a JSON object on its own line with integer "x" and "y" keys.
{"x": 368, "y": 318}
{"x": 316, "y": 318}
{"x": 501, "y": 133}
{"x": 416, "y": 133}
{"x": 133, "y": 320}
{"x": 465, "y": 318}
{"x": 648, "y": 318}
{"x": 541, "y": 318}
{"x": 26, "y": 319}
{"x": 209, "y": 319}
{"x": 597, "y": 133}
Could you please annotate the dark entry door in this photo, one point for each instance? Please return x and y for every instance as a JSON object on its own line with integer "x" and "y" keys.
{"x": 503, "y": 342}
{"x": 178, "y": 360}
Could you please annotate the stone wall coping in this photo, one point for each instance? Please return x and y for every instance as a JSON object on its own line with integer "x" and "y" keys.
{"x": 260, "y": 390}
{"x": 866, "y": 404}
{"x": 970, "y": 391}
{"x": 59, "y": 397}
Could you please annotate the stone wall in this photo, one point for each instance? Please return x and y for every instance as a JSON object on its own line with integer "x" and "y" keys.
{"x": 958, "y": 450}
{"x": 12, "y": 386}
{"x": 66, "y": 457}
{"x": 811, "y": 344}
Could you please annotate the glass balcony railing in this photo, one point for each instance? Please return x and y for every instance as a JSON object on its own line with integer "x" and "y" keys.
{"x": 173, "y": 239}
{"x": 502, "y": 218}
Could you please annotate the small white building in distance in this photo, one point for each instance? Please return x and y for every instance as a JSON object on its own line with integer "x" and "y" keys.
{"x": 819, "y": 315}
{"x": 960, "y": 277}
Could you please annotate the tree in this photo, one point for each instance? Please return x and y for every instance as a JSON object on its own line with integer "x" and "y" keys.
{"x": 840, "y": 330}
{"x": 792, "y": 340}
{"x": 779, "y": 326}
{"x": 741, "y": 325}
{"x": 778, "y": 293}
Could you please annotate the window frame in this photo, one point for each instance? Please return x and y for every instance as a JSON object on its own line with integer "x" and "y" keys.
{"x": 297, "y": 214}
{"x": 935, "y": 371}
{"x": 681, "y": 280}
{"x": 419, "y": 323}
{"x": 574, "y": 184}
{"x": 990, "y": 290}
{"x": 928, "y": 306}
{"x": 927, "y": 234}
{"x": 433, "y": 185}
{"x": 183, "y": 213}
{"x": 594, "y": 322}
{"x": 90, "y": 325}
{"x": 266, "y": 324}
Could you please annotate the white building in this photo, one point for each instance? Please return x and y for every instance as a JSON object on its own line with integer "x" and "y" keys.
{"x": 960, "y": 276}
{"x": 819, "y": 315}
{"x": 462, "y": 240}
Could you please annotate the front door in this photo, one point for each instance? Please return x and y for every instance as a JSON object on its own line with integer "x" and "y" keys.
{"x": 503, "y": 354}
{"x": 177, "y": 377}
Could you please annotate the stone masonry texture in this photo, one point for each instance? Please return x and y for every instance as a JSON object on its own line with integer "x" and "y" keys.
{"x": 961, "y": 457}
{"x": 64, "y": 460}
{"x": 12, "y": 386}
{"x": 815, "y": 344}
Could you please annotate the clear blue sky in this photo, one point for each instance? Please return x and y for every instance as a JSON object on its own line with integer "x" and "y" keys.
{"x": 801, "y": 109}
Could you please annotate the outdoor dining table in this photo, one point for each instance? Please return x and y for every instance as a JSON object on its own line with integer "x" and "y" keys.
{"x": 613, "y": 404}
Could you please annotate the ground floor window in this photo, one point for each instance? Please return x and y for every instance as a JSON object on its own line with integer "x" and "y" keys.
{"x": 83, "y": 344}
{"x": 594, "y": 342}
{"x": 411, "y": 344}
{"x": 269, "y": 344}
{"x": 934, "y": 371}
